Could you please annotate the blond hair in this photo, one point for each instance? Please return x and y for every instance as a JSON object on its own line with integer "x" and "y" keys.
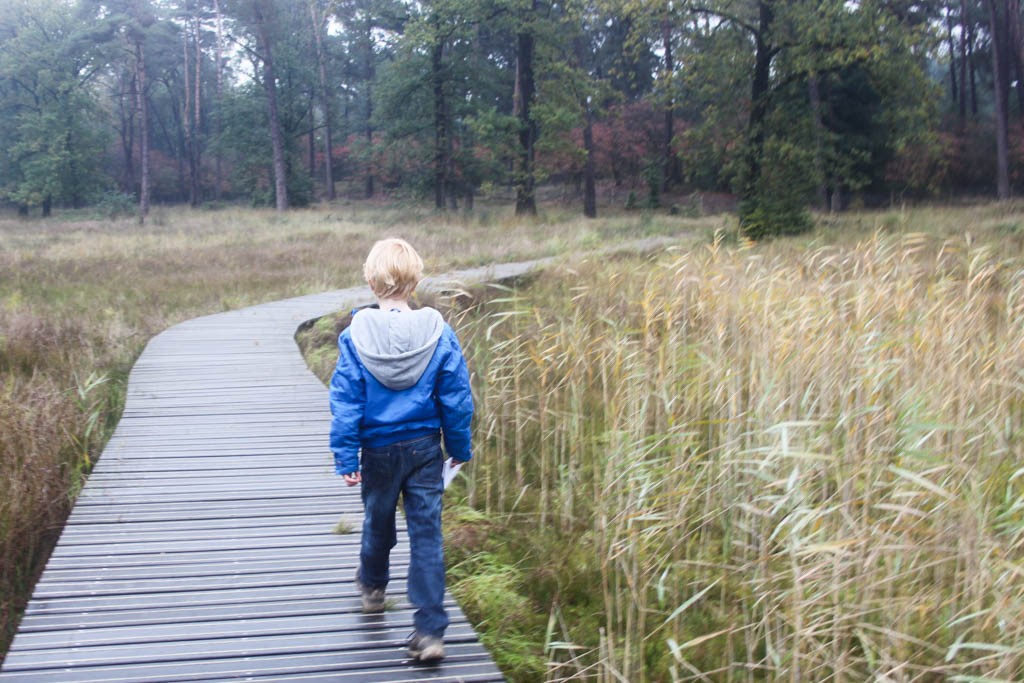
{"x": 393, "y": 269}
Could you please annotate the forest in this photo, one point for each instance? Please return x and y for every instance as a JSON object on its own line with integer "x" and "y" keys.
{"x": 786, "y": 105}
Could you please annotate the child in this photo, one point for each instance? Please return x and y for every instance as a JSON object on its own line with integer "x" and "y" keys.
{"x": 400, "y": 385}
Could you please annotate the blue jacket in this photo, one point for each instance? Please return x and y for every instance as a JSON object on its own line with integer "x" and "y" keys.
{"x": 400, "y": 375}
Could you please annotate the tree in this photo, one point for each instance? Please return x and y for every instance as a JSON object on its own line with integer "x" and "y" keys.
{"x": 260, "y": 11}
{"x": 447, "y": 89}
{"x": 999, "y": 25}
{"x": 142, "y": 100}
{"x": 801, "y": 44}
{"x": 135, "y": 20}
{"x": 525, "y": 90}
{"x": 218, "y": 120}
{"x": 574, "y": 87}
{"x": 361, "y": 19}
{"x": 261, "y": 20}
{"x": 192, "y": 60}
{"x": 53, "y": 145}
{"x": 318, "y": 26}
{"x": 659, "y": 25}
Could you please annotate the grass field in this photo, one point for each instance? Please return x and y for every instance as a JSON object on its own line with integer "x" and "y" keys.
{"x": 796, "y": 461}
{"x": 80, "y": 296}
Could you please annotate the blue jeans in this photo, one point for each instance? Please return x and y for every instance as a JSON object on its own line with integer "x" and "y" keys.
{"x": 413, "y": 469}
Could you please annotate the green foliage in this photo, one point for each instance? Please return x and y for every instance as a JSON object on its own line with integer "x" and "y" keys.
{"x": 778, "y": 204}
{"x": 707, "y": 92}
{"x": 856, "y": 55}
{"x": 767, "y": 215}
{"x": 423, "y": 94}
{"x": 444, "y": 98}
{"x": 631, "y": 203}
{"x": 495, "y": 593}
{"x": 113, "y": 204}
{"x": 654, "y": 178}
{"x": 52, "y": 139}
{"x": 244, "y": 139}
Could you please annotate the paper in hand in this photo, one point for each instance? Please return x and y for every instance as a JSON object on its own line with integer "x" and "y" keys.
{"x": 449, "y": 471}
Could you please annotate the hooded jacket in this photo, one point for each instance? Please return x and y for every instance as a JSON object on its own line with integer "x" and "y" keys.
{"x": 400, "y": 375}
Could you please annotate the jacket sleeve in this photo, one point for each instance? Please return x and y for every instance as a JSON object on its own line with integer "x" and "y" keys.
{"x": 455, "y": 398}
{"x": 348, "y": 400}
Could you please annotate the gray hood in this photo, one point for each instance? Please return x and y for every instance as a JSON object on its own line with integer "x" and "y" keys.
{"x": 395, "y": 346}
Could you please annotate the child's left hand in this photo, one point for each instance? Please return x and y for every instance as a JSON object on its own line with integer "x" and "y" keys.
{"x": 353, "y": 478}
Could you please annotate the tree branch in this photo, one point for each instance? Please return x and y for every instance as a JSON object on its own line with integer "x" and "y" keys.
{"x": 728, "y": 17}
{"x": 245, "y": 47}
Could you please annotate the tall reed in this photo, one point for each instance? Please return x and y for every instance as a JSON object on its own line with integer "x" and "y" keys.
{"x": 783, "y": 462}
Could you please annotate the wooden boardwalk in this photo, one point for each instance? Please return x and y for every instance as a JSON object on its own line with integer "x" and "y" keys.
{"x": 202, "y": 547}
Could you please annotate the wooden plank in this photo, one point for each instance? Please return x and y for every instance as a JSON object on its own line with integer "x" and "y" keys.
{"x": 342, "y": 602}
{"x": 317, "y": 555}
{"x": 240, "y": 601}
{"x": 371, "y": 631}
{"x": 228, "y": 452}
{"x": 187, "y": 512}
{"x": 143, "y": 538}
{"x": 81, "y": 533}
{"x": 335, "y": 664}
{"x": 263, "y": 565}
{"x": 230, "y": 627}
{"x": 159, "y": 601}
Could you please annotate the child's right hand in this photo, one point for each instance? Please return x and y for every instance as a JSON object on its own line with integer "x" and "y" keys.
{"x": 353, "y": 478}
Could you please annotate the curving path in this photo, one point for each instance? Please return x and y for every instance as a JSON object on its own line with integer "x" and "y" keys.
{"x": 202, "y": 547}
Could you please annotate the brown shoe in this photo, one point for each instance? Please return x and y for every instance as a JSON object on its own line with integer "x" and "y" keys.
{"x": 424, "y": 648}
{"x": 373, "y": 598}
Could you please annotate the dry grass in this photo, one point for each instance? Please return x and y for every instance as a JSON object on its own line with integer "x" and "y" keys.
{"x": 799, "y": 461}
{"x": 79, "y": 298}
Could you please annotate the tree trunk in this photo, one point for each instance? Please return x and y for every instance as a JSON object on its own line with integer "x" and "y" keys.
{"x": 450, "y": 190}
{"x": 814, "y": 93}
{"x": 195, "y": 189}
{"x": 970, "y": 66}
{"x": 962, "y": 104}
{"x": 999, "y": 26}
{"x": 369, "y": 187}
{"x": 325, "y": 101}
{"x": 440, "y": 123}
{"x": 836, "y": 205}
{"x": 370, "y": 71}
{"x": 311, "y": 138}
{"x": 190, "y": 117}
{"x": 759, "y": 90}
{"x": 589, "y": 186}
{"x": 1015, "y": 52}
{"x": 218, "y": 121}
{"x": 270, "y": 86}
{"x": 127, "y": 133}
{"x": 672, "y": 171}
{"x": 143, "y": 107}
{"x": 186, "y": 114}
{"x": 953, "y": 90}
{"x": 178, "y": 130}
{"x": 526, "y": 202}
